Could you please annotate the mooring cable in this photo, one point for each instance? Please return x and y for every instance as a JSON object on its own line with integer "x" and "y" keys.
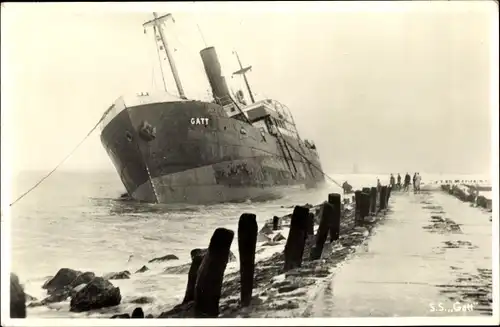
{"x": 312, "y": 164}
{"x": 62, "y": 161}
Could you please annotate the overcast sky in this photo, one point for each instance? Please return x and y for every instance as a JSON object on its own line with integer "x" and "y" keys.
{"x": 392, "y": 87}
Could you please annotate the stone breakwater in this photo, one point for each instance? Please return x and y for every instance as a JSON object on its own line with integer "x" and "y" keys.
{"x": 470, "y": 193}
{"x": 319, "y": 239}
{"x": 467, "y": 287}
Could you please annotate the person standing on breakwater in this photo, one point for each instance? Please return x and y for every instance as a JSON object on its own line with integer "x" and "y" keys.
{"x": 407, "y": 183}
{"x": 391, "y": 181}
{"x": 399, "y": 182}
{"x": 414, "y": 178}
{"x": 379, "y": 186}
{"x": 416, "y": 184}
{"x": 346, "y": 188}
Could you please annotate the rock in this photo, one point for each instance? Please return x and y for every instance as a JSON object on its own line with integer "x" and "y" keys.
{"x": 266, "y": 230}
{"x": 84, "y": 278}
{"x": 99, "y": 293}
{"x": 63, "y": 278}
{"x": 263, "y": 238}
{"x": 30, "y": 298}
{"x": 278, "y": 238}
{"x": 232, "y": 257}
{"x": 143, "y": 269}
{"x": 17, "y": 298}
{"x": 57, "y": 296}
{"x": 178, "y": 270}
{"x": 164, "y": 258}
{"x": 280, "y": 284}
{"x": 270, "y": 243}
{"x": 184, "y": 310}
{"x": 121, "y": 316}
{"x": 35, "y": 304}
{"x": 149, "y": 316}
{"x": 77, "y": 289}
{"x": 138, "y": 313}
{"x": 118, "y": 275}
{"x": 142, "y": 300}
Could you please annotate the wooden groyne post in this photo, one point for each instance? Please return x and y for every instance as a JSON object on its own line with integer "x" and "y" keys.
{"x": 294, "y": 248}
{"x": 196, "y": 259}
{"x": 276, "y": 223}
{"x": 357, "y": 208}
{"x": 211, "y": 273}
{"x": 335, "y": 200}
{"x": 364, "y": 204}
{"x": 383, "y": 198}
{"x": 247, "y": 242}
{"x": 373, "y": 201}
{"x": 326, "y": 218}
{"x": 310, "y": 224}
{"x": 138, "y": 313}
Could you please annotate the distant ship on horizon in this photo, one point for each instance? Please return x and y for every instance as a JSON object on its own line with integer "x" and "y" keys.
{"x": 171, "y": 149}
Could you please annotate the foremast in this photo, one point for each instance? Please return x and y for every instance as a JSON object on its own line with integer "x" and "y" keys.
{"x": 157, "y": 24}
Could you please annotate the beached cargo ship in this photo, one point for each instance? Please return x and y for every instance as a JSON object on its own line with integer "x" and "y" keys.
{"x": 171, "y": 149}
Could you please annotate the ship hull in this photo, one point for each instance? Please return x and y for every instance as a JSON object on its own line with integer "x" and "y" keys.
{"x": 201, "y": 156}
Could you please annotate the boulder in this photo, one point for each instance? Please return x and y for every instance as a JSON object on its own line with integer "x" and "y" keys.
{"x": 143, "y": 269}
{"x": 121, "y": 316}
{"x": 263, "y": 238}
{"x": 63, "y": 278}
{"x": 142, "y": 300}
{"x": 232, "y": 257}
{"x": 99, "y": 293}
{"x": 278, "y": 237}
{"x": 270, "y": 243}
{"x": 83, "y": 278}
{"x": 58, "y": 295}
{"x": 118, "y": 275}
{"x": 178, "y": 270}
{"x": 164, "y": 258}
{"x": 266, "y": 230}
{"x": 66, "y": 279}
{"x": 77, "y": 289}
{"x": 17, "y": 298}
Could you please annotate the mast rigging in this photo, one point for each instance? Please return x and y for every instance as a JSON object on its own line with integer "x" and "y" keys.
{"x": 243, "y": 72}
{"x": 157, "y": 23}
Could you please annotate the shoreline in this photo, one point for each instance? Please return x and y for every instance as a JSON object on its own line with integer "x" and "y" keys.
{"x": 289, "y": 293}
{"x": 279, "y": 293}
{"x": 273, "y": 291}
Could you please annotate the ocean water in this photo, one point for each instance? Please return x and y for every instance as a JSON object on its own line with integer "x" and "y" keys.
{"x": 74, "y": 220}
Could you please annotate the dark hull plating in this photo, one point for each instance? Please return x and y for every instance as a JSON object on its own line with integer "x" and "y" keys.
{"x": 201, "y": 164}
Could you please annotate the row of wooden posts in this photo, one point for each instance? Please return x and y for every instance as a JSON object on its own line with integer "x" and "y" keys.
{"x": 206, "y": 273}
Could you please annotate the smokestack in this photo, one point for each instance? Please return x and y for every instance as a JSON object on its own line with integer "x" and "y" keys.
{"x": 214, "y": 74}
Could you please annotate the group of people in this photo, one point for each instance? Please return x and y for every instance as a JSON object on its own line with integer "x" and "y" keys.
{"x": 397, "y": 186}
{"x": 407, "y": 181}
